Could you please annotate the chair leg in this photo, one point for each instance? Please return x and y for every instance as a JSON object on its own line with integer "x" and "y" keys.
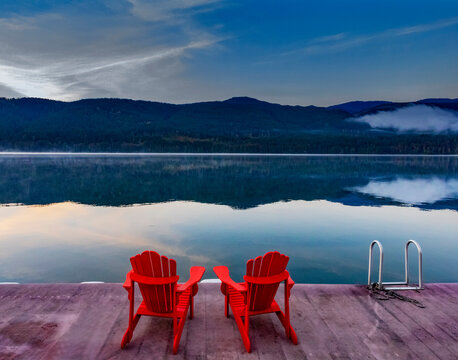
{"x": 133, "y": 320}
{"x": 243, "y": 332}
{"x": 290, "y": 333}
{"x": 176, "y": 340}
{"x": 226, "y": 306}
{"x": 130, "y": 331}
{"x": 137, "y": 317}
{"x": 191, "y": 312}
{"x": 125, "y": 339}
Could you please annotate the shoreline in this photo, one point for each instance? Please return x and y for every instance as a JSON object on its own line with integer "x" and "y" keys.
{"x": 133, "y": 154}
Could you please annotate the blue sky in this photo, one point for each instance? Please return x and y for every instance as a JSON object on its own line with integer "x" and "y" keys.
{"x": 290, "y": 52}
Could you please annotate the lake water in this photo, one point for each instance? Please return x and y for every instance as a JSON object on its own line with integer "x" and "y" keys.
{"x": 80, "y": 218}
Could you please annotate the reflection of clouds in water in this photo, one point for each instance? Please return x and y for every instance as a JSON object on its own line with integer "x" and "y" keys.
{"x": 58, "y": 238}
{"x": 74, "y": 242}
{"x": 413, "y": 191}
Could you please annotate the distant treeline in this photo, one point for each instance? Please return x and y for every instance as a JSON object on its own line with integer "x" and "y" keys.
{"x": 317, "y": 143}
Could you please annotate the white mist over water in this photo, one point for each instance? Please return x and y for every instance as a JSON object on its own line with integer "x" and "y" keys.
{"x": 416, "y": 118}
{"x": 413, "y": 191}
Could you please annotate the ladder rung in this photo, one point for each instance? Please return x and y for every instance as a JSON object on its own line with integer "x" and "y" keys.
{"x": 402, "y": 288}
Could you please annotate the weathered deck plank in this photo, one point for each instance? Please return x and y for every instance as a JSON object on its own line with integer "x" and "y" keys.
{"x": 75, "y": 321}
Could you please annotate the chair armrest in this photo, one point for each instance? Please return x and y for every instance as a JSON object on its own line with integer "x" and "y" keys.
{"x": 223, "y": 274}
{"x": 195, "y": 274}
{"x": 128, "y": 283}
{"x": 290, "y": 283}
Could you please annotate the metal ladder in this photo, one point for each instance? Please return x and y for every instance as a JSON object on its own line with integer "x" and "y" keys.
{"x": 402, "y": 285}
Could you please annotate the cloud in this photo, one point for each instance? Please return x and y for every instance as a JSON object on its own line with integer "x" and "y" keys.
{"x": 6, "y": 91}
{"x": 416, "y": 118}
{"x": 425, "y": 27}
{"x": 343, "y": 41}
{"x": 328, "y": 38}
{"x": 72, "y": 79}
{"x": 413, "y": 191}
{"x": 130, "y": 49}
{"x": 161, "y": 10}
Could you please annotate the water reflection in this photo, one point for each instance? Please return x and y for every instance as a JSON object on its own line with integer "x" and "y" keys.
{"x": 328, "y": 241}
{"x": 210, "y": 211}
{"x": 240, "y": 182}
{"x": 415, "y": 191}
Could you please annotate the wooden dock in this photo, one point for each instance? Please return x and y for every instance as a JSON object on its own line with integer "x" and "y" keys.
{"x": 87, "y": 321}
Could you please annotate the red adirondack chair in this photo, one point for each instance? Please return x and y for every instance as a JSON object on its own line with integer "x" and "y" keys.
{"x": 162, "y": 296}
{"x": 257, "y": 294}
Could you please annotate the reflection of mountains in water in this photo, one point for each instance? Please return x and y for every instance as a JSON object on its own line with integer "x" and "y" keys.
{"x": 240, "y": 182}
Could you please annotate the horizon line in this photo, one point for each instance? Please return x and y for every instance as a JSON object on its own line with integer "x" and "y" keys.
{"x": 131, "y": 154}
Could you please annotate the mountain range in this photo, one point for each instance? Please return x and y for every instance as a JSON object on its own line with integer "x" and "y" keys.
{"x": 239, "y": 124}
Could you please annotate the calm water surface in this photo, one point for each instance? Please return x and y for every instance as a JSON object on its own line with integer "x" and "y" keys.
{"x": 80, "y": 218}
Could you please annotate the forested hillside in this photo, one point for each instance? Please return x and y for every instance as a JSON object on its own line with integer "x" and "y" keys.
{"x": 235, "y": 125}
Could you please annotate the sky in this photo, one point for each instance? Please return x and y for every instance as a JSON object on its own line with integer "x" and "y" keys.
{"x": 290, "y": 52}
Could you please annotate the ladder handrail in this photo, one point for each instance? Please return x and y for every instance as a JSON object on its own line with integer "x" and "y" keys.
{"x": 380, "y": 268}
{"x": 395, "y": 285}
{"x": 420, "y": 262}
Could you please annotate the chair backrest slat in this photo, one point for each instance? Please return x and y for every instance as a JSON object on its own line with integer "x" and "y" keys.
{"x": 255, "y": 272}
{"x": 262, "y": 295}
{"x": 261, "y": 290}
{"x": 143, "y": 268}
{"x": 167, "y": 288}
{"x": 158, "y": 298}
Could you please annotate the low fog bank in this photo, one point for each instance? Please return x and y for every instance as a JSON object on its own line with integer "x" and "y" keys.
{"x": 415, "y": 118}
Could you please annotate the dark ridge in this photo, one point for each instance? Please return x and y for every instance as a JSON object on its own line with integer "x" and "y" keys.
{"x": 354, "y": 107}
{"x": 437, "y": 101}
{"x": 245, "y": 100}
